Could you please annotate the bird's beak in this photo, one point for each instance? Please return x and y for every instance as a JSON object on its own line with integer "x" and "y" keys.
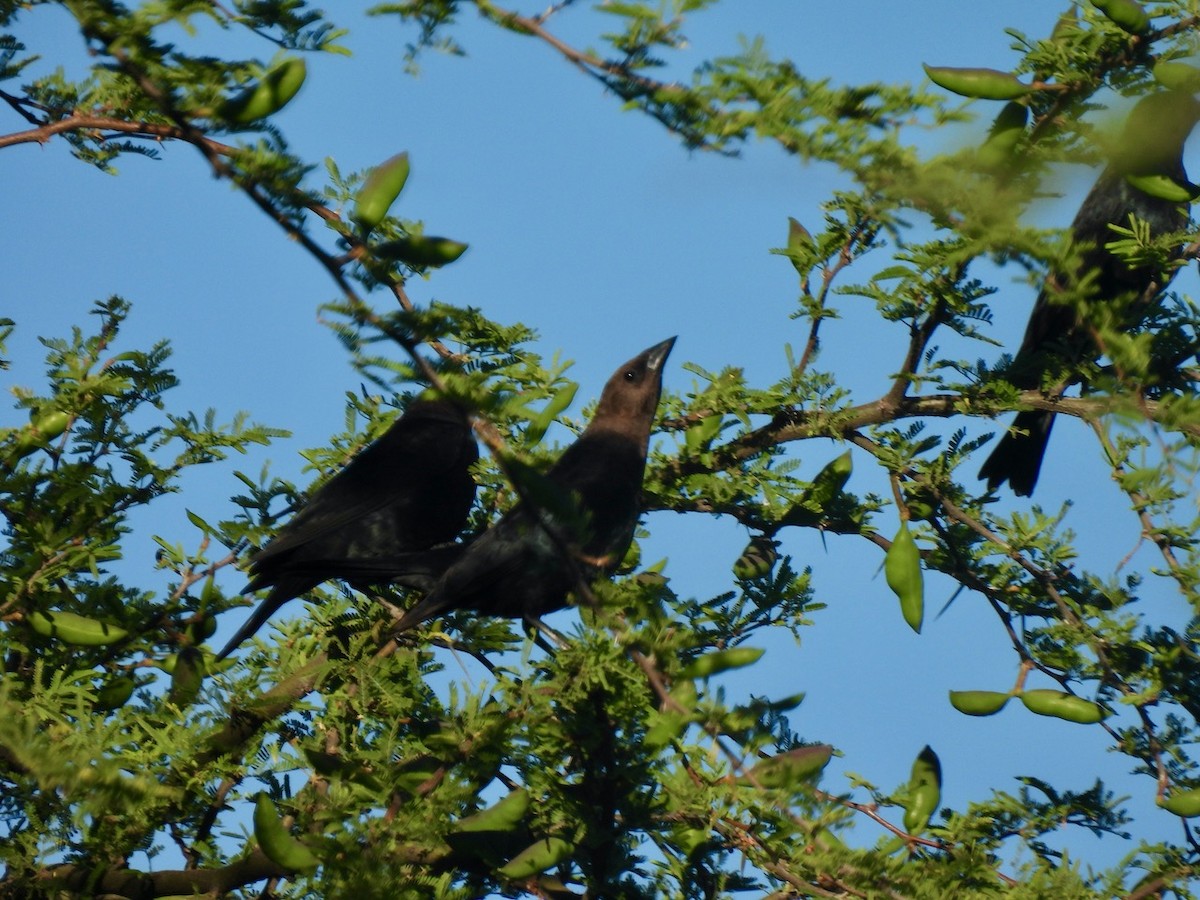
{"x": 657, "y": 355}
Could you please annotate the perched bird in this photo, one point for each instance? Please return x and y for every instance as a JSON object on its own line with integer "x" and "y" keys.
{"x": 525, "y": 564}
{"x": 407, "y": 491}
{"x": 1151, "y": 148}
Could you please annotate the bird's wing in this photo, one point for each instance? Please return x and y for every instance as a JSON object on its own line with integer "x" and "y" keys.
{"x": 493, "y": 575}
{"x": 421, "y": 565}
{"x": 381, "y": 476}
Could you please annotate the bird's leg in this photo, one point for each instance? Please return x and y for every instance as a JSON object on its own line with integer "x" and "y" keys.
{"x": 551, "y": 635}
{"x": 392, "y": 608}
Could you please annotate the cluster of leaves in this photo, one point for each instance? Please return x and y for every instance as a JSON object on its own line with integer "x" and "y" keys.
{"x": 644, "y": 779}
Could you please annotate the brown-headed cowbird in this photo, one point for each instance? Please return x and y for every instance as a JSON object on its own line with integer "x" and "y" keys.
{"x": 525, "y": 564}
{"x": 407, "y": 491}
{"x": 1056, "y": 336}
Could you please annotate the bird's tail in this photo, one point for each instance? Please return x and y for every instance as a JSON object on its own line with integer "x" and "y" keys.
{"x": 1017, "y": 459}
{"x": 419, "y": 569}
{"x": 418, "y": 614}
{"x": 280, "y": 594}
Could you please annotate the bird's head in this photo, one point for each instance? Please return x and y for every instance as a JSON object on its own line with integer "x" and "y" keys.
{"x": 632, "y": 392}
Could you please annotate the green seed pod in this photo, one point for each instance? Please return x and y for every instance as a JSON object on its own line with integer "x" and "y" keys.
{"x": 278, "y": 86}
{"x": 802, "y": 249}
{"x": 924, "y": 791}
{"x": 1004, "y": 136}
{"x": 380, "y": 190}
{"x": 74, "y": 629}
{"x": 790, "y": 769}
{"x": 115, "y": 693}
{"x": 276, "y": 843}
{"x": 799, "y": 238}
{"x": 983, "y": 84}
{"x": 536, "y": 858}
{"x": 1062, "y": 705}
{"x": 420, "y": 251}
{"x": 1126, "y": 14}
{"x": 1177, "y": 76}
{"x": 1164, "y": 187}
{"x": 902, "y": 568}
{"x": 505, "y": 816}
{"x": 51, "y": 424}
{"x": 187, "y": 678}
{"x": 978, "y": 703}
{"x": 721, "y": 661}
{"x": 757, "y": 559}
{"x": 700, "y": 435}
{"x": 828, "y": 483}
{"x": 202, "y": 629}
{"x": 42, "y": 429}
{"x": 1182, "y": 803}
{"x": 919, "y": 509}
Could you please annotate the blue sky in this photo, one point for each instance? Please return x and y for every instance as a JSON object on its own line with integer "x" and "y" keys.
{"x": 596, "y": 227}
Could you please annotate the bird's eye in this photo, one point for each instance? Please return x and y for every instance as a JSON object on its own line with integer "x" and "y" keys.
{"x": 630, "y": 374}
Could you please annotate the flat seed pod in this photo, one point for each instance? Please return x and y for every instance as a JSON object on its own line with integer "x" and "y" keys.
{"x": 1062, "y": 705}
{"x": 74, "y": 629}
{"x": 978, "y": 703}
{"x": 902, "y": 568}
{"x": 1182, "y": 803}
{"x": 924, "y": 791}
{"x": 1177, "y": 76}
{"x": 827, "y": 484}
{"x": 1126, "y": 14}
{"x": 380, "y": 190}
{"x": 115, "y": 693}
{"x": 981, "y": 84}
{"x": 419, "y": 250}
{"x": 791, "y": 768}
{"x": 506, "y": 815}
{"x": 1162, "y": 186}
{"x": 721, "y": 661}
{"x": 278, "y": 86}
{"x": 276, "y": 843}
{"x": 802, "y": 249}
{"x": 536, "y": 858}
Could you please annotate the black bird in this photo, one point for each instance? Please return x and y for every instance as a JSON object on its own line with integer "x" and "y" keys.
{"x": 526, "y": 563}
{"x": 407, "y": 491}
{"x": 1056, "y": 337}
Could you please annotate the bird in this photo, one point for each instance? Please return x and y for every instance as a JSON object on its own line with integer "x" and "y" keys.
{"x": 576, "y": 521}
{"x": 409, "y": 490}
{"x": 1056, "y": 336}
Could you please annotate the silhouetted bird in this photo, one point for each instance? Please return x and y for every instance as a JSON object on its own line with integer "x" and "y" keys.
{"x": 408, "y": 490}
{"x": 525, "y": 564}
{"x": 1151, "y": 145}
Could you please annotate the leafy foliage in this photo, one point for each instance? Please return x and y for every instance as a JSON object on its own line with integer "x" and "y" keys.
{"x": 119, "y": 736}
